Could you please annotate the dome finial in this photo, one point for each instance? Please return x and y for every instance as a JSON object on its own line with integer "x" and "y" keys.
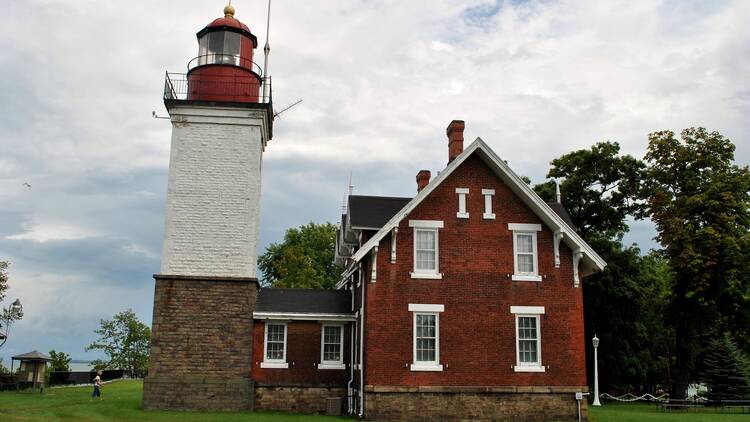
{"x": 229, "y": 10}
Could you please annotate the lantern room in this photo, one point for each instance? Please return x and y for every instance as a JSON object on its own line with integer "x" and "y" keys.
{"x": 224, "y": 69}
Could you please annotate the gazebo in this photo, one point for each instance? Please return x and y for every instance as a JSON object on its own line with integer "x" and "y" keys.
{"x": 33, "y": 365}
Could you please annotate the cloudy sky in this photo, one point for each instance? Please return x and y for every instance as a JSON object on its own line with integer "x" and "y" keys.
{"x": 380, "y": 81}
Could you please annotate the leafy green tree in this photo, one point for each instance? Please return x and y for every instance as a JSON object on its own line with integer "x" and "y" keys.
{"x": 125, "y": 340}
{"x": 725, "y": 370}
{"x": 303, "y": 260}
{"x": 60, "y": 361}
{"x": 599, "y": 188}
{"x": 7, "y": 315}
{"x": 700, "y": 202}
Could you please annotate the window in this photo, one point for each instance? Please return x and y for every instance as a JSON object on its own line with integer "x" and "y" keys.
{"x": 525, "y": 261}
{"x": 275, "y": 346}
{"x": 462, "y": 194}
{"x": 426, "y": 337}
{"x": 331, "y": 347}
{"x": 528, "y": 338}
{"x": 488, "y": 194}
{"x": 426, "y": 248}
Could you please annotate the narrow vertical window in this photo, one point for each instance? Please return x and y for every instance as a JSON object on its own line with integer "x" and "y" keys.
{"x": 426, "y": 248}
{"x": 525, "y": 256}
{"x": 275, "y": 346}
{"x": 332, "y": 347}
{"x": 488, "y": 194}
{"x": 528, "y": 338}
{"x": 462, "y": 194}
{"x": 426, "y": 337}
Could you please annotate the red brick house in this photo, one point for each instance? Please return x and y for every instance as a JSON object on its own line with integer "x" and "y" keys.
{"x": 463, "y": 302}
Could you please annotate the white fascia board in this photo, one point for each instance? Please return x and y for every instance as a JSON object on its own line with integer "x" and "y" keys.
{"x": 302, "y": 316}
{"x": 521, "y": 188}
{"x": 530, "y": 310}
{"x": 422, "y": 307}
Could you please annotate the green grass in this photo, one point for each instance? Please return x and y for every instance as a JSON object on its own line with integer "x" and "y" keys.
{"x": 637, "y": 412}
{"x": 122, "y": 402}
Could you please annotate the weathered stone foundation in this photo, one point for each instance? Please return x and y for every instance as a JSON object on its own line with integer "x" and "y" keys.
{"x": 295, "y": 399}
{"x": 473, "y": 404}
{"x": 201, "y": 344}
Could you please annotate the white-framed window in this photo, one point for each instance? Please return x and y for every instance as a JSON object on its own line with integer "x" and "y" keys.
{"x": 274, "y": 345}
{"x": 525, "y": 252}
{"x": 331, "y": 347}
{"x": 528, "y": 338}
{"x": 462, "y": 194}
{"x": 426, "y": 335}
{"x": 488, "y": 194}
{"x": 426, "y": 250}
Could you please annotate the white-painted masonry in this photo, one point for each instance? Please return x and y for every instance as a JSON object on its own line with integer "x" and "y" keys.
{"x": 213, "y": 195}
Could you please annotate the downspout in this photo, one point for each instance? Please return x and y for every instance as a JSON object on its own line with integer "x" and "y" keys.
{"x": 352, "y": 333}
{"x": 361, "y": 346}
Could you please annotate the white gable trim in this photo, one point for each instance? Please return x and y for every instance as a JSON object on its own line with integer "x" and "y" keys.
{"x": 517, "y": 185}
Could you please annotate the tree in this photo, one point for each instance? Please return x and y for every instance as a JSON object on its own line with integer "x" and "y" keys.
{"x": 725, "y": 371}
{"x": 60, "y": 361}
{"x": 700, "y": 203}
{"x": 125, "y": 340}
{"x": 303, "y": 259}
{"x": 10, "y": 314}
{"x": 600, "y": 188}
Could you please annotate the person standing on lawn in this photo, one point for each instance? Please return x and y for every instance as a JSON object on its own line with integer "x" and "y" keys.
{"x": 97, "y": 386}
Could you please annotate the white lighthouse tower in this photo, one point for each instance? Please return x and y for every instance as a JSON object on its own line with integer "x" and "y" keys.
{"x": 222, "y": 116}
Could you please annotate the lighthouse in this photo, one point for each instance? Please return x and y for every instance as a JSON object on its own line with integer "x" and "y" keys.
{"x": 222, "y": 115}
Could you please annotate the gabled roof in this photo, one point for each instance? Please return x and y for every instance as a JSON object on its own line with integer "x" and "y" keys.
{"x": 371, "y": 212}
{"x": 304, "y": 301}
{"x": 562, "y": 212}
{"x": 590, "y": 262}
{"x": 35, "y": 355}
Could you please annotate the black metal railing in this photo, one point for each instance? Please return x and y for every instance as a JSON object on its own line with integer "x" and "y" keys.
{"x": 178, "y": 86}
{"x": 225, "y": 59}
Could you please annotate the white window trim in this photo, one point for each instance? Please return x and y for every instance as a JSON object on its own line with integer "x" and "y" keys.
{"x": 274, "y": 363}
{"x": 462, "y": 194}
{"x": 331, "y": 364}
{"x": 525, "y": 229}
{"x": 433, "y": 225}
{"x": 488, "y": 195}
{"x": 429, "y": 309}
{"x": 529, "y": 367}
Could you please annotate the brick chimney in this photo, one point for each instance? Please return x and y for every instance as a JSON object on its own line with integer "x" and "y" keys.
{"x": 423, "y": 178}
{"x": 455, "y": 133}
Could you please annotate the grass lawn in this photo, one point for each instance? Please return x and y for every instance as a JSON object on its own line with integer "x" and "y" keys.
{"x": 637, "y": 412}
{"x": 122, "y": 402}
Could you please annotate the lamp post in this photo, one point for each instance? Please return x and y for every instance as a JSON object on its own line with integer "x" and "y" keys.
{"x": 595, "y": 342}
{"x": 14, "y": 312}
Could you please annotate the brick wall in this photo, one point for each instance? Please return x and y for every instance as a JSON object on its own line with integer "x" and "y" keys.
{"x": 201, "y": 344}
{"x": 213, "y": 195}
{"x": 303, "y": 356}
{"x": 511, "y": 404}
{"x": 477, "y": 330}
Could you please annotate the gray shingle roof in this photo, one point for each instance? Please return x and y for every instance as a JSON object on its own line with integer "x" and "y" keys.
{"x": 35, "y": 355}
{"x": 309, "y": 301}
{"x": 562, "y": 212}
{"x": 373, "y": 211}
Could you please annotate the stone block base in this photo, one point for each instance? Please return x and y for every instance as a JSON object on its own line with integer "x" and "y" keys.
{"x": 198, "y": 393}
{"x": 296, "y": 399}
{"x": 471, "y": 404}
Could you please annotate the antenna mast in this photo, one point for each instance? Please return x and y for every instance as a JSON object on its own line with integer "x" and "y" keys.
{"x": 266, "y": 51}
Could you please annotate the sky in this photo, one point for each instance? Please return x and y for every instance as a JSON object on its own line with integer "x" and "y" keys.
{"x": 83, "y": 165}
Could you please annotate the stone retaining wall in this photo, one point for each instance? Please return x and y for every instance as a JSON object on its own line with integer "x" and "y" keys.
{"x": 198, "y": 393}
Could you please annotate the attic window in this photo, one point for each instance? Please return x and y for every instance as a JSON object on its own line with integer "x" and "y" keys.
{"x": 488, "y": 194}
{"x": 462, "y": 194}
{"x": 525, "y": 252}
